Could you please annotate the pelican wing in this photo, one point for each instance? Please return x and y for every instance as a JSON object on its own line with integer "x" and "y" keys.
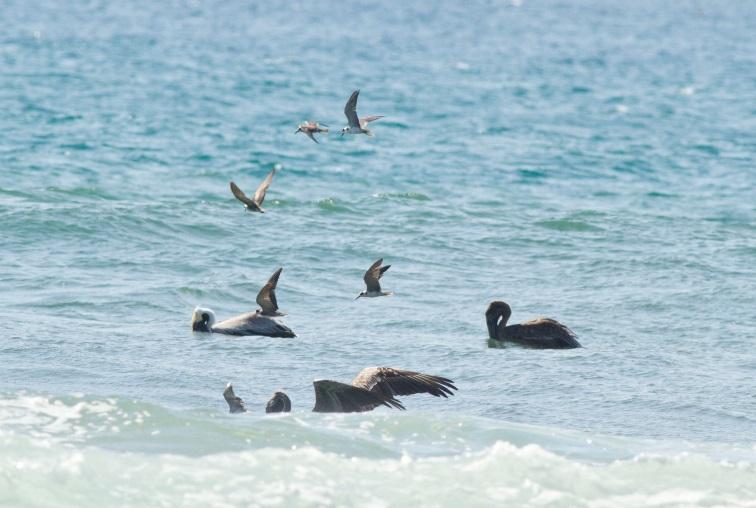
{"x": 544, "y": 332}
{"x": 350, "y": 110}
{"x": 373, "y": 275}
{"x": 260, "y": 192}
{"x": 238, "y": 194}
{"x": 235, "y": 404}
{"x": 367, "y": 119}
{"x": 266, "y": 298}
{"x": 335, "y": 397}
{"x": 391, "y": 382}
{"x": 253, "y": 323}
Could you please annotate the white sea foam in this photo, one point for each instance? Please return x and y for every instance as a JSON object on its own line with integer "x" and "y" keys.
{"x": 61, "y": 452}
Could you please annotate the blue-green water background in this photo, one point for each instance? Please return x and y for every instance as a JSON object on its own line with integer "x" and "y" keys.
{"x": 589, "y": 161}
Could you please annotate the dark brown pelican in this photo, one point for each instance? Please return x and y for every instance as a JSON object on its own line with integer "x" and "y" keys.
{"x": 279, "y": 403}
{"x": 372, "y": 277}
{"x": 311, "y": 128}
{"x": 373, "y": 387}
{"x": 235, "y": 404}
{"x": 259, "y": 322}
{"x": 357, "y": 125}
{"x": 254, "y": 204}
{"x": 377, "y": 386}
{"x": 543, "y": 333}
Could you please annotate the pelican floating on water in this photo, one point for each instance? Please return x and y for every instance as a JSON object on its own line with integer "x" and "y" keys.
{"x": 543, "y": 333}
{"x": 311, "y": 128}
{"x": 279, "y": 403}
{"x": 259, "y": 322}
{"x": 377, "y": 386}
{"x": 372, "y": 277}
{"x": 254, "y": 204}
{"x": 357, "y": 125}
{"x": 373, "y": 387}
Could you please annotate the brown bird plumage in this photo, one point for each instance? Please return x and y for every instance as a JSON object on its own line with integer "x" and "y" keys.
{"x": 311, "y": 128}
{"x": 542, "y": 333}
{"x": 377, "y": 386}
{"x": 254, "y": 204}
{"x": 266, "y": 298}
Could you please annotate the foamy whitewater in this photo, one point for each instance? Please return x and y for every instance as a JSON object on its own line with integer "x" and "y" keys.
{"x": 591, "y": 161}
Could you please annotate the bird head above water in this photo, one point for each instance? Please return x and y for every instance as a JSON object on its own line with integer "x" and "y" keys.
{"x": 497, "y": 309}
{"x": 344, "y": 130}
{"x": 202, "y": 319}
{"x": 279, "y": 403}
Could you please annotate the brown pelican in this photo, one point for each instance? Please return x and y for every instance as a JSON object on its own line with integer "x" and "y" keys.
{"x": 259, "y": 322}
{"x": 371, "y": 278}
{"x": 254, "y": 204}
{"x": 311, "y": 128}
{"x": 357, "y": 125}
{"x": 279, "y": 403}
{"x": 235, "y": 404}
{"x": 543, "y": 333}
{"x": 376, "y": 386}
{"x": 373, "y": 387}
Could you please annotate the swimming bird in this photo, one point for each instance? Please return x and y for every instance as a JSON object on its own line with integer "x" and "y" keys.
{"x": 235, "y": 404}
{"x": 311, "y": 128}
{"x": 357, "y": 125}
{"x": 279, "y": 403}
{"x": 259, "y": 322}
{"x": 543, "y": 333}
{"x": 254, "y": 204}
{"x": 371, "y": 278}
{"x": 373, "y": 387}
{"x": 377, "y": 386}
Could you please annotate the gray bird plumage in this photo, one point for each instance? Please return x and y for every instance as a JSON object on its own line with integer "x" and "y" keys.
{"x": 357, "y": 125}
{"x": 235, "y": 404}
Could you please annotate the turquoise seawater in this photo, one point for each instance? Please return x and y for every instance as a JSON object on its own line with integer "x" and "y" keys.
{"x": 592, "y": 161}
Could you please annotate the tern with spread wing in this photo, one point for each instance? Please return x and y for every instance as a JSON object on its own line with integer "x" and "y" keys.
{"x": 254, "y": 204}
{"x": 357, "y": 125}
{"x": 372, "y": 277}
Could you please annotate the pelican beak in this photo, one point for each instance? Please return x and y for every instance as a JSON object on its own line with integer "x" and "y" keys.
{"x": 491, "y": 322}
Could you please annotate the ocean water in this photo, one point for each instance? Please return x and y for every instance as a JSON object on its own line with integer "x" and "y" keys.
{"x": 592, "y": 161}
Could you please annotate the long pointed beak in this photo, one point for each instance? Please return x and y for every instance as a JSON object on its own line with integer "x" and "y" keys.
{"x": 342, "y": 134}
{"x": 491, "y": 322}
{"x": 358, "y": 296}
